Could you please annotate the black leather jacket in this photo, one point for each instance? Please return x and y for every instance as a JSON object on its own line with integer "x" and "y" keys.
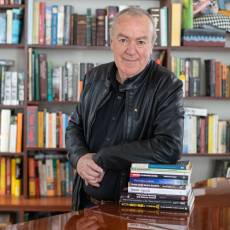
{"x": 153, "y": 129}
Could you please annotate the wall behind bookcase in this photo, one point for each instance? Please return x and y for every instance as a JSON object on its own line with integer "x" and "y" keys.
{"x": 16, "y": 54}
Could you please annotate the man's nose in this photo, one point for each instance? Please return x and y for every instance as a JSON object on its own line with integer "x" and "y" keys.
{"x": 131, "y": 48}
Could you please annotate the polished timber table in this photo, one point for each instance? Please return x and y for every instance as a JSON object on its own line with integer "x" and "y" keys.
{"x": 211, "y": 212}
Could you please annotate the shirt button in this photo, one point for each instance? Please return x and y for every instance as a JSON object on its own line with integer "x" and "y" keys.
{"x": 113, "y": 118}
{"x": 108, "y": 139}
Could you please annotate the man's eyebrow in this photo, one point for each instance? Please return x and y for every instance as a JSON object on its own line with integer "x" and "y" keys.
{"x": 139, "y": 38}
{"x": 122, "y": 35}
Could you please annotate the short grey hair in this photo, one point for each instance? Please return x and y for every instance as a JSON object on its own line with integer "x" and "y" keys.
{"x": 134, "y": 11}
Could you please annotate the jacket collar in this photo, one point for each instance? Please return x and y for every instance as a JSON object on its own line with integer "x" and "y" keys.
{"x": 131, "y": 83}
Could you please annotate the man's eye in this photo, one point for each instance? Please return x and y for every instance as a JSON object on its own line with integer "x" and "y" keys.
{"x": 140, "y": 43}
{"x": 123, "y": 40}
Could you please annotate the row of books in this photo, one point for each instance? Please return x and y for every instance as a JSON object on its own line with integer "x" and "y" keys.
{"x": 49, "y": 82}
{"x": 217, "y": 76}
{"x": 11, "y": 176}
{"x": 45, "y": 129}
{"x": 11, "y": 131}
{"x": 159, "y": 186}
{"x": 49, "y": 175}
{"x": 11, "y": 22}
{"x": 188, "y": 70}
{"x": 205, "y": 133}
{"x": 59, "y": 25}
{"x": 11, "y": 2}
{"x": 11, "y": 86}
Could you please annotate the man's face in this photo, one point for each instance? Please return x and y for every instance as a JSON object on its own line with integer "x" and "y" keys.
{"x": 132, "y": 45}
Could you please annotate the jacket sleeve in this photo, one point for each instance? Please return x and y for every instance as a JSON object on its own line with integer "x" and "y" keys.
{"x": 74, "y": 137}
{"x": 164, "y": 146}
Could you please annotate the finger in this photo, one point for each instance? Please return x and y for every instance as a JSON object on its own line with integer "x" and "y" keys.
{"x": 90, "y": 175}
{"x": 101, "y": 177}
{"x": 95, "y": 167}
{"x": 93, "y": 183}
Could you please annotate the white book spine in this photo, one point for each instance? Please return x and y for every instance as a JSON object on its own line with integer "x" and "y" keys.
{"x": 9, "y": 23}
{"x": 30, "y": 22}
{"x": 181, "y": 192}
{"x": 14, "y": 88}
{"x": 7, "y": 89}
{"x": 5, "y": 130}
{"x": 54, "y": 130}
{"x": 60, "y": 25}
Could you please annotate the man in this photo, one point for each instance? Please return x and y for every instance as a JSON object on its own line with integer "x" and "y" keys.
{"x": 130, "y": 110}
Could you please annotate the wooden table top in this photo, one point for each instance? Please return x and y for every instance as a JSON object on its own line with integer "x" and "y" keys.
{"x": 211, "y": 212}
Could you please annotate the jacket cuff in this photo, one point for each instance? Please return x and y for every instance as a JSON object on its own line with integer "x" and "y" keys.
{"x": 98, "y": 160}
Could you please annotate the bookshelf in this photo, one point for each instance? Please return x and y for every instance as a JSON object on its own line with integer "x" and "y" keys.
{"x": 58, "y": 54}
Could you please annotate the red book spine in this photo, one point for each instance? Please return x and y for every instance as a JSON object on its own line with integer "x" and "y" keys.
{"x": 42, "y": 8}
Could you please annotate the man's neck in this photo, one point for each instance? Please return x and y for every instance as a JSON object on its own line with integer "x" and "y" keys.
{"x": 119, "y": 79}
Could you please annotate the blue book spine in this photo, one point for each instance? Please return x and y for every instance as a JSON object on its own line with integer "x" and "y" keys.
{"x": 50, "y": 82}
{"x": 54, "y": 21}
{"x": 158, "y": 181}
{"x": 179, "y": 166}
{"x": 17, "y": 26}
{"x": 2, "y": 27}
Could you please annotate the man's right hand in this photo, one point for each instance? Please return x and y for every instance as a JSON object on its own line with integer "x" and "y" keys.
{"x": 89, "y": 171}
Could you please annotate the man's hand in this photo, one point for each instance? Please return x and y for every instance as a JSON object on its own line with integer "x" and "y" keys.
{"x": 89, "y": 171}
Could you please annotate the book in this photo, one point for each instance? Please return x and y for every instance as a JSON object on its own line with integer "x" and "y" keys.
{"x": 179, "y": 165}
{"x": 152, "y": 175}
{"x": 196, "y": 111}
{"x": 158, "y": 181}
{"x": 158, "y": 186}
{"x": 187, "y": 14}
{"x": 152, "y": 197}
{"x": 176, "y": 9}
{"x": 164, "y": 191}
{"x": 155, "y": 14}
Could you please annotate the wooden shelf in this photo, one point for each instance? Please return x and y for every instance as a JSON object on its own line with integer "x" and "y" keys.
{"x": 11, "y": 6}
{"x": 12, "y": 46}
{"x": 8, "y": 154}
{"x": 208, "y": 155}
{"x": 207, "y": 98}
{"x": 51, "y": 103}
{"x": 12, "y": 106}
{"x": 46, "y": 149}
{"x": 75, "y": 47}
{"x": 203, "y": 48}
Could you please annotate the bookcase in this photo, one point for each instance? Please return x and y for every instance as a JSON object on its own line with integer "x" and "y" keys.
{"x": 25, "y": 53}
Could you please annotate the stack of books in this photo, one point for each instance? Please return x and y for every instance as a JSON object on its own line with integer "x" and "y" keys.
{"x": 159, "y": 186}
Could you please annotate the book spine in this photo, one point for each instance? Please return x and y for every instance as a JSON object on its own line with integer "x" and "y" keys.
{"x": 157, "y": 191}
{"x": 54, "y": 22}
{"x": 159, "y": 166}
{"x": 156, "y": 181}
{"x": 152, "y": 201}
{"x": 163, "y": 186}
{"x": 157, "y": 206}
{"x": 42, "y": 15}
{"x": 159, "y": 176}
